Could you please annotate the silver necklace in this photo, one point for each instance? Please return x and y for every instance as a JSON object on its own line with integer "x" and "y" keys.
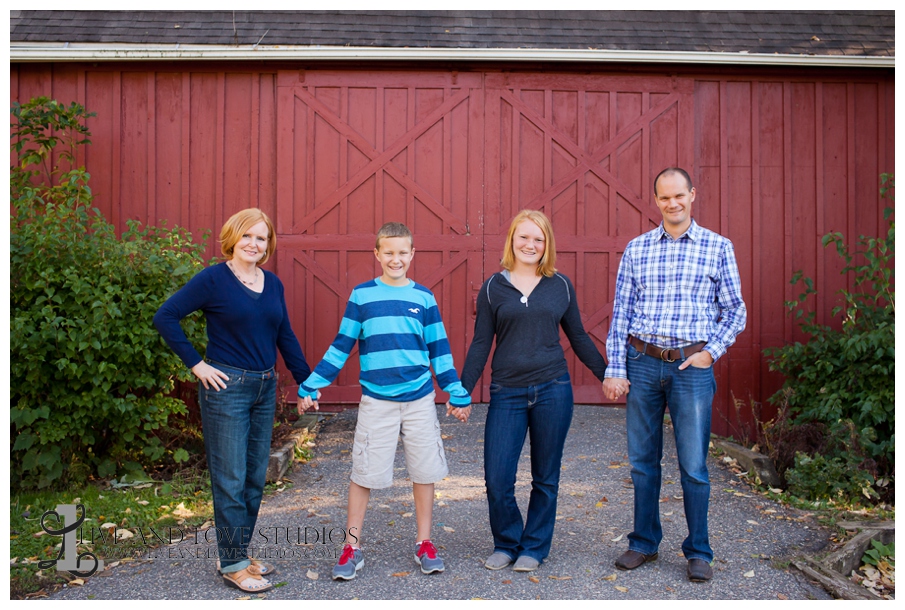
{"x": 251, "y": 283}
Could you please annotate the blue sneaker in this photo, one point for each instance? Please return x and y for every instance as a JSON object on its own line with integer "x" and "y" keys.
{"x": 427, "y": 558}
{"x": 350, "y": 562}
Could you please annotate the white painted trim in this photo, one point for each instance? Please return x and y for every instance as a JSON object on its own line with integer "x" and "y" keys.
{"x": 65, "y": 52}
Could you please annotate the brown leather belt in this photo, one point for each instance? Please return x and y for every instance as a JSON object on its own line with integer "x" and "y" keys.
{"x": 666, "y": 355}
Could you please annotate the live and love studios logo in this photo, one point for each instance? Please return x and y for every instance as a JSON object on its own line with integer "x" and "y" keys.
{"x": 69, "y": 518}
{"x": 279, "y": 542}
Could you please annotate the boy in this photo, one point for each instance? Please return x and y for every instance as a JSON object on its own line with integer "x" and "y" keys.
{"x": 400, "y": 334}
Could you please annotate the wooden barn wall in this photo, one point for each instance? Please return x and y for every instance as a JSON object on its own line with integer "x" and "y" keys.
{"x": 779, "y": 159}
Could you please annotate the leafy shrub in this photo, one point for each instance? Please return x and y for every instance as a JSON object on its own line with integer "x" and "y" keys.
{"x": 879, "y": 553}
{"x": 90, "y": 376}
{"x": 836, "y": 478}
{"x": 843, "y": 380}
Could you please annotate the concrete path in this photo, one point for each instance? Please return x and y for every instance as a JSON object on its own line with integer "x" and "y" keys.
{"x": 753, "y": 538}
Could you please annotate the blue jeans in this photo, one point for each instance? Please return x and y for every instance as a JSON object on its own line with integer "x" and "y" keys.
{"x": 237, "y": 423}
{"x": 689, "y": 395}
{"x": 545, "y": 412}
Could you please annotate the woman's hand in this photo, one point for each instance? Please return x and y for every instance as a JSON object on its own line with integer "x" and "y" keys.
{"x": 306, "y": 402}
{"x": 209, "y": 376}
{"x": 461, "y": 414}
{"x": 614, "y": 388}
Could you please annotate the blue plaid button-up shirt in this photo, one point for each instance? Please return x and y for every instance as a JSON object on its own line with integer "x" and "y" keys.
{"x": 674, "y": 292}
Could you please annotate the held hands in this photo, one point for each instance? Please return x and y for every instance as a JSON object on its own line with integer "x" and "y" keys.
{"x": 306, "y": 402}
{"x": 615, "y": 388}
{"x": 460, "y": 414}
{"x": 699, "y": 360}
{"x": 209, "y": 376}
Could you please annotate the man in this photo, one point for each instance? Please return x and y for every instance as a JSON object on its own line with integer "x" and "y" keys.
{"x": 678, "y": 308}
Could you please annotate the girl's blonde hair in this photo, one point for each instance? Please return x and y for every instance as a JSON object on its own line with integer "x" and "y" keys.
{"x": 547, "y": 265}
{"x": 240, "y": 222}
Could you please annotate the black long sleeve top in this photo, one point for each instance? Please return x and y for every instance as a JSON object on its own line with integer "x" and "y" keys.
{"x": 528, "y": 350}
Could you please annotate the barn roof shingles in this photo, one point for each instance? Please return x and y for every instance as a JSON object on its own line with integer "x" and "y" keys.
{"x": 859, "y": 33}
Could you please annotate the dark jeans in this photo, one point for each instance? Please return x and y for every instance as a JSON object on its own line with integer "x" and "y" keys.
{"x": 545, "y": 412}
{"x": 689, "y": 394}
{"x": 237, "y": 424}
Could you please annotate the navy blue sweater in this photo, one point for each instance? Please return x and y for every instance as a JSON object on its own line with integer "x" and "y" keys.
{"x": 244, "y": 329}
{"x": 527, "y": 351}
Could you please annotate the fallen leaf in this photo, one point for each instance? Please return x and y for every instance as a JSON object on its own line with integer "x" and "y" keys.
{"x": 312, "y": 575}
{"x": 560, "y": 577}
{"x": 77, "y": 582}
{"x": 534, "y": 579}
{"x": 180, "y": 511}
{"x": 617, "y": 538}
{"x": 401, "y": 574}
{"x": 448, "y": 529}
{"x": 753, "y": 522}
{"x": 611, "y": 577}
{"x": 782, "y": 596}
{"x": 621, "y": 589}
{"x": 406, "y": 514}
{"x": 775, "y": 490}
{"x": 669, "y": 514}
{"x": 378, "y": 506}
{"x": 507, "y": 582}
{"x": 123, "y": 534}
{"x": 143, "y": 502}
{"x": 749, "y": 574}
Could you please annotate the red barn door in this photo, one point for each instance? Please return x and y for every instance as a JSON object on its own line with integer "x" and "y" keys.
{"x": 582, "y": 149}
{"x": 355, "y": 150}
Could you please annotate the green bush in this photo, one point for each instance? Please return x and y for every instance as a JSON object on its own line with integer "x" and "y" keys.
{"x": 843, "y": 378}
{"x": 838, "y": 478}
{"x": 90, "y": 376}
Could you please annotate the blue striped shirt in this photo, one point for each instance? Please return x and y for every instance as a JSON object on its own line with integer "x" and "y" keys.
{"x": 400, "y": 336}
{"x": 674, "y": 292}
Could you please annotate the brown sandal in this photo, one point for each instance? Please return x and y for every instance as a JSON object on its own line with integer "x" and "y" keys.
{"x": 248, "y": 579}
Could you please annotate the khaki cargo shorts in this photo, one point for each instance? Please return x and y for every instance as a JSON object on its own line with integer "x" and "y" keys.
{"x": 380, "y": 422}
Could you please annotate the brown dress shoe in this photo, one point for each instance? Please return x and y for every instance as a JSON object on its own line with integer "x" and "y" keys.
{"x": 699, "y": 570}
{"x": 630, "y": 560}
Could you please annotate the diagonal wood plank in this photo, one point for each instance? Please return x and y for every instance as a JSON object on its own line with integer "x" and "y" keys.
{"x": 586, "y": 161}
{"x": 448, "y": 267}
{"x": 376, "y": 163}
{"x": 325, "y": 276}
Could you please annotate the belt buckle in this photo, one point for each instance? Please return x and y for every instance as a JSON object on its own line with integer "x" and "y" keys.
{"x": 663, "y": 356}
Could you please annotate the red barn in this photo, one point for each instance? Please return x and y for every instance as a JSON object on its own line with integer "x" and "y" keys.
{"x": 451, "y": 121}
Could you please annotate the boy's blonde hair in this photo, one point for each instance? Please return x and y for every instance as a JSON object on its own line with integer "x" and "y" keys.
{"x": 393, "y": 229}
{"x": 547, "y": 265}
{"x": 240, "y": 222}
